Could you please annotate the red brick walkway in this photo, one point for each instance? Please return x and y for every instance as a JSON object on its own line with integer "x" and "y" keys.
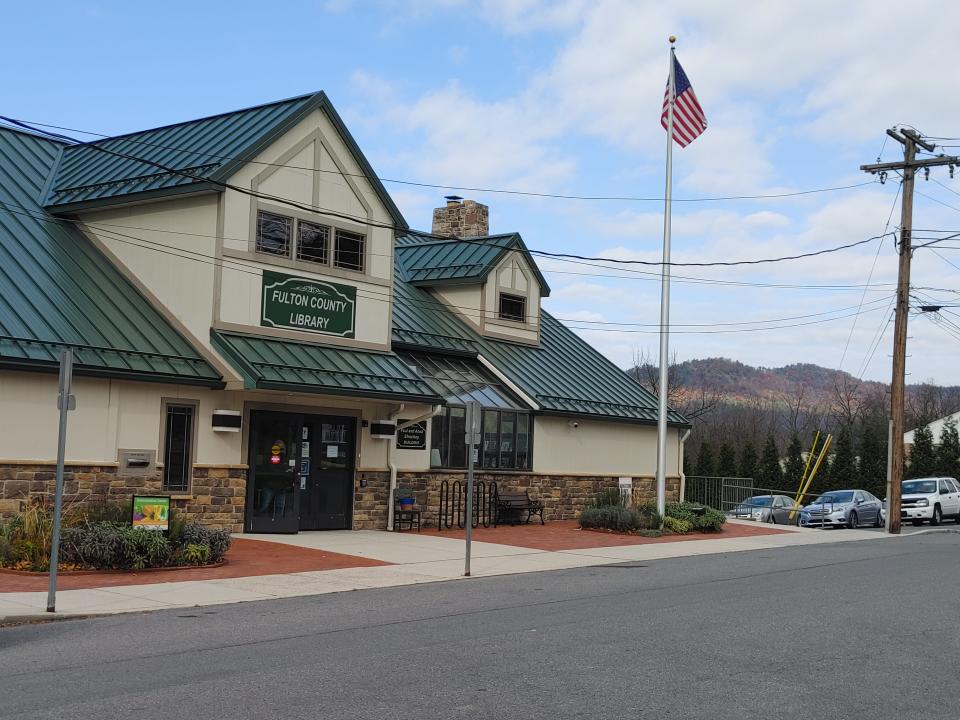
{"x": 567, "y": 535}
{"x": 246, "y": 558}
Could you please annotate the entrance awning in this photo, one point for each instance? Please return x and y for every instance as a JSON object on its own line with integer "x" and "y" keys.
{"x": 272, "y": 364}
{"x": 460, "y": 380}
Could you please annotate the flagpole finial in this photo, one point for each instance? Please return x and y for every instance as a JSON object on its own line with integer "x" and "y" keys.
{"x": 673, "y": 39}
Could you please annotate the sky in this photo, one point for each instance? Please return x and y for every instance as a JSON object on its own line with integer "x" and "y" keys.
{"x": 564, "y": 98}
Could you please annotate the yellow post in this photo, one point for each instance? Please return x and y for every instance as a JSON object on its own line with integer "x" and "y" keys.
{"x": 813, "y": 474}
{"x": 806, "y": 467}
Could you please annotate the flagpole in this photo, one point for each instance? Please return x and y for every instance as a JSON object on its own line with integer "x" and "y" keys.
{"x": 665, "y": 299}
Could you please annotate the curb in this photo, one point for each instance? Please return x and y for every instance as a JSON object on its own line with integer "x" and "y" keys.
{"x": 45, "y": 617}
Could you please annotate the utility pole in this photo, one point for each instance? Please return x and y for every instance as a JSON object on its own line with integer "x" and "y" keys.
{"x": 910, "y": 139}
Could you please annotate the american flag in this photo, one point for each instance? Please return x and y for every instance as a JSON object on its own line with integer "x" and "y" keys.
{"x": 688, "y": 118}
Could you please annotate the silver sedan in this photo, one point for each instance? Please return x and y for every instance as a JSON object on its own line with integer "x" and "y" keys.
{"x": 843, "y": 508}
{"x": 776, "y": 509}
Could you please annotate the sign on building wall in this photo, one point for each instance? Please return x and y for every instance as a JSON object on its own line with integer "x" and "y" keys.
{"x": 296, "y": 303}
{"x": 412, "y": 437}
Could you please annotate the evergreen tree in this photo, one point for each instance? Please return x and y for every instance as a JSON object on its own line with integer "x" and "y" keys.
{"x": 843, "y": 470}
{"x": 770, "y": 474}
{"x": 948, "y": 454}
{"x": 727, "y": 461}
{"x": 923, "y": 457}
{"x": 748, "y": 461}
{"x": 794, "y": 465}
{"x": 705, "y": 465}
{"x": 873, "y": 460}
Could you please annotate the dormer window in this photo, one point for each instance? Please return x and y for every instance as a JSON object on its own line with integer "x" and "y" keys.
{"x": 309, "y": 242}
{"x": 513, "y": 307}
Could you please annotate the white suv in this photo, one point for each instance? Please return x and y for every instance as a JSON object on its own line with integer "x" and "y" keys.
{"x": 930, "y": 499}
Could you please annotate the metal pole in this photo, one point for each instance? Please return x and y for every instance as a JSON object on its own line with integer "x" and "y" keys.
{"x": 473, "y": 430}
{"x": 64, "y": 401}
{"x": 665, "y": 301}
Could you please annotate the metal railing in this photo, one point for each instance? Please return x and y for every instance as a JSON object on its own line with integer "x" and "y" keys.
{"x": 730, "y": 494}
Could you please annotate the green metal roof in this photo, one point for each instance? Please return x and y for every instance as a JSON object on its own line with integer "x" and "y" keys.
{"x": 431, "y": 260}
{"x": 58, "y": 291}
{"x": 205, "y": 152}
{"x": 271, "y": 364}
{"x": 563, "y": 374}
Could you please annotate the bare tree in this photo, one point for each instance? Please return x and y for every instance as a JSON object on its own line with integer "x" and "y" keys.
{"x": 694, "y": 403}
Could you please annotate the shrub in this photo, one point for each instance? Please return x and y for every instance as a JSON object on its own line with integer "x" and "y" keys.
{"x": 195, "y": 554}
{"x": 700, "y": 518}
{"x": 649, "y": 517}
{"x": 620, "y": 518}
{"x": 218, "y": 540}
{"x": 608, "y": 497}
{"x": 676, "y": 525}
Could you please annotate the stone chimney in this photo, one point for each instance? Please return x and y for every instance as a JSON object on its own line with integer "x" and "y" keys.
{"x": 461, "y": 218}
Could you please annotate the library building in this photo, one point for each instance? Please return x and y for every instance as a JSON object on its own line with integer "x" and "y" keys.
{"x": 258, "y": 334}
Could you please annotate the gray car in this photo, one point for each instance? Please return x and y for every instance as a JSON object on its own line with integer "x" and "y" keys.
{"x": 843, "y": 508}
{"x": 776, "y": 509}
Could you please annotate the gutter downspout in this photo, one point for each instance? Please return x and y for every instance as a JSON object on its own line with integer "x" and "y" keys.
{"x": 391, "y": 463}
{"x": 683, "y": 478}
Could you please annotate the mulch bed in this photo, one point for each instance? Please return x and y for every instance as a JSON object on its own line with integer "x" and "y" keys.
{"x": 246, "y": 558}
{"x": 558, "y": 535}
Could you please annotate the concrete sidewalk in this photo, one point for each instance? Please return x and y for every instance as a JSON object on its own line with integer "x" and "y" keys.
{"x": 415, "y": 559}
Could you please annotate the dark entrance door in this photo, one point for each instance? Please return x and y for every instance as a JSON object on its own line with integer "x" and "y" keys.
{"x": 273, "y": 496}
{"x": 301, "y": 472}
{"x": 326, "y": 499}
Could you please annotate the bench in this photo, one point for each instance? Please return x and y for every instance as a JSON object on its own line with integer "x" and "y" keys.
{"x": 515, "y": 503}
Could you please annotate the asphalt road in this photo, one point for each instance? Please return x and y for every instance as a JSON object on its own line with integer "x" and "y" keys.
{"x": 853, "y": 630}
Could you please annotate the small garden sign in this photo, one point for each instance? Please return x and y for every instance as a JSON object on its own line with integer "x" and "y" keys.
{"x": 151, "y": 512}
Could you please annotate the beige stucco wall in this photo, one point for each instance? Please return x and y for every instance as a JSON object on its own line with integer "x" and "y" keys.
{"x": 114, "y": 414}
{"x": 170, "y": 247}
{"x": 464, "y": 300}
{"x": 599, "y": 447}
{"x": 318, "y": 172}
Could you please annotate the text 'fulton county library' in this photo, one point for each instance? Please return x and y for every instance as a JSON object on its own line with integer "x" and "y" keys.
{"x": 250, "y": 314}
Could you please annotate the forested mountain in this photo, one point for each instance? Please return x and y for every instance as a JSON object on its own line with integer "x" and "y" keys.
{"x": 759, "y": 421}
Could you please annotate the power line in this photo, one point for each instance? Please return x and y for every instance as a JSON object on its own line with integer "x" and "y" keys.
{"x": 370, "y": 223}
{"x": 716, "y": 332}
{"x": 631, "y": 273}
{"x": 886, "y": 227}
{"x": 437, "y": 186}
{"x": 196, "y": 256}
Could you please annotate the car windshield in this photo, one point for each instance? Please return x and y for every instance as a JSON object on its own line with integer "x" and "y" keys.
{"x": 919, "y": 487}
{"x": 758, "y": 501}
{"x": 834, "y": 497}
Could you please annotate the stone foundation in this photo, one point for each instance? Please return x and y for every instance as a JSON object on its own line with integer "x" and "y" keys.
{"x": 216, "y": 498}
{"x": 563, "y": 496}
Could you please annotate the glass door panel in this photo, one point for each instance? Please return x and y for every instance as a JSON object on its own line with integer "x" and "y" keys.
{"x": 273, "y": 488}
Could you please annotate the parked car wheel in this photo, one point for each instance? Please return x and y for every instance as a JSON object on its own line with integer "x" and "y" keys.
{"x": 852, "y": 520}
{"x": 937, "y": 515}
{"x": 917, "y": 523}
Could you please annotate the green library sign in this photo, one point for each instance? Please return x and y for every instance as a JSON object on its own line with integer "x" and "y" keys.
{"x": 296, "y": 303}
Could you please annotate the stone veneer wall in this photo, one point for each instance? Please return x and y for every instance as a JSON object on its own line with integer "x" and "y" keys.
{"x": 216, "y": 500}
{"x": 564, "y": 496}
